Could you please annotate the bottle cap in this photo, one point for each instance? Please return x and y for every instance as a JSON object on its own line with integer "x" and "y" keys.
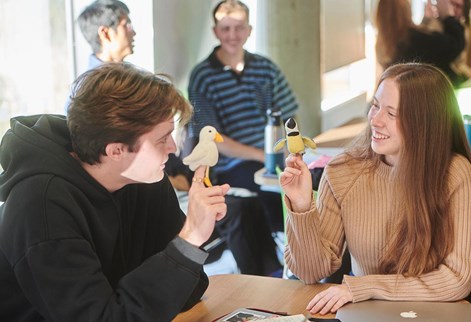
{"x": 273, "y": 117}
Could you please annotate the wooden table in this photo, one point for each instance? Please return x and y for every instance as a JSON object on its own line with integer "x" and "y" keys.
{"x": 232, "y": 291}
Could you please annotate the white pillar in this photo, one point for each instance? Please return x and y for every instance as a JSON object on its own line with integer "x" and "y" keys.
{"x": 288, "y": 31}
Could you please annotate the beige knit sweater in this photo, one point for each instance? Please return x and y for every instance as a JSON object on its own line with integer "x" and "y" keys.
{"x": 351, "y": 208}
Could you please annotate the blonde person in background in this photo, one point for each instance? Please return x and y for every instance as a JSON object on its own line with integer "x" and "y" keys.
{"x": 398, "y": 198}
{"x": 232, "y": 90}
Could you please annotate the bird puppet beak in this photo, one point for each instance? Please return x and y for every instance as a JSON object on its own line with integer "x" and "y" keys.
{"x": 218, "y": 138}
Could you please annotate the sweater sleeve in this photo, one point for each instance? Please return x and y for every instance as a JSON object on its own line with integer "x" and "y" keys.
{"x": 316, "y": 238}
{"x": 450, "y": 281}
{"x": 315, "y": 242}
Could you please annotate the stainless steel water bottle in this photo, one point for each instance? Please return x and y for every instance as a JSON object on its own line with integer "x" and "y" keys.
{"x": 273, "y": 132}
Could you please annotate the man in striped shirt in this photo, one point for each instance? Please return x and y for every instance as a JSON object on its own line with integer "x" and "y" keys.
{"x": 231, "y": 90}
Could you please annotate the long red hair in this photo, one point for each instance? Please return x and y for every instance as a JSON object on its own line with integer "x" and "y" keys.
{"x": 432, "y": 127}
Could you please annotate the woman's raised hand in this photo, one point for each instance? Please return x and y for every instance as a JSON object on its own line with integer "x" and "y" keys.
{"x": 296, "y": 182}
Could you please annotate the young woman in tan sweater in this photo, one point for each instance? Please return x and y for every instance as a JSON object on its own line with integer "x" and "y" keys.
{"x": 400, "y": 198}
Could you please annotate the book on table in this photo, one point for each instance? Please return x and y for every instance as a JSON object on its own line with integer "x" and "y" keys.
{"x": 245, "y": 314}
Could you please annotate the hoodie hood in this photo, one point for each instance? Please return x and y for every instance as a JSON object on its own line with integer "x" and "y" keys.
{"x": 37, "y": 145}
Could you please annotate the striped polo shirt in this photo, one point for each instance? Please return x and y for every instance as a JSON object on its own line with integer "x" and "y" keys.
{"x": 236, "y": 104}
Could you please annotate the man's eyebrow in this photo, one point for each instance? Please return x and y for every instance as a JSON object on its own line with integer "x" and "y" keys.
{"x": 166, "y": 134}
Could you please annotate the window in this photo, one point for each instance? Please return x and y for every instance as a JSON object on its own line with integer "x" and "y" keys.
{"x": 34, "y": 73}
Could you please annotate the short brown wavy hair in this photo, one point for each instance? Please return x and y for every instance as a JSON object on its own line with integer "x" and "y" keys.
{"x": 117, "y": 103}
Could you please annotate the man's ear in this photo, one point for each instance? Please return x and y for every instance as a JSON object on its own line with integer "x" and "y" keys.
{"x": 215, "y": 32}
{"x": 116, "y": 151}
{"x": 103, "y": 33}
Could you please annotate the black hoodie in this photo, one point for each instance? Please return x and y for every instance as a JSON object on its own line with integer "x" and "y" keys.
{"x": 72, "y": 251}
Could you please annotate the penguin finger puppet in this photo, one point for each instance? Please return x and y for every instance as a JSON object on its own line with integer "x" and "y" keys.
{"x": 294, "y": 140}
{"x": 205, "y": 153}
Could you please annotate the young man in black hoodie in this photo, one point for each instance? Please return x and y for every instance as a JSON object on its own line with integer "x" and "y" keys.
{"x": 90, "y": 228}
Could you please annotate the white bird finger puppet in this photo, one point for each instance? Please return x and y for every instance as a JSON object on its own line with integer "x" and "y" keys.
{"x": 205, "y": 153}
{"x": 294, "y": 140}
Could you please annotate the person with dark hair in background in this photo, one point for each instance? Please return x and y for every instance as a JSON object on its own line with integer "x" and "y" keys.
{"x": 106, "y": 26}
{"x": 432, "y": 22}
{"x": 90, "y": 227}
{"x": 400, "y": 40}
